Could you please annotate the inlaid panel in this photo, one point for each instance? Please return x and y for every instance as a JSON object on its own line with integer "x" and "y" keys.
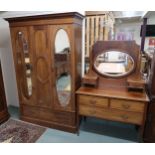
{"x": 42, "y": 75}
{"x": 43, "y": 63}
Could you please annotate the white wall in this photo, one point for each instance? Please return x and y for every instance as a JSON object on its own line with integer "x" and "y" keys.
{"x": 151, "y": 20}
{"x": 130, "y": 27}
{"x": 7, "y": 64}
{"x": 136, "y": 27}
{"x": 61, "y": 41}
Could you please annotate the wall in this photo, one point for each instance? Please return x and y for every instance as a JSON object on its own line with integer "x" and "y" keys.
{"x": 151, "y": 20}
{"x": 7, "y": 64}
{"x": 133, "y": 27}
{"x": 61, "y": 41}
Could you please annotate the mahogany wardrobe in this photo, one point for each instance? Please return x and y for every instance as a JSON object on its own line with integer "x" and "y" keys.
{"x": 4, "y": 115}
{"x": 47, "y": 59}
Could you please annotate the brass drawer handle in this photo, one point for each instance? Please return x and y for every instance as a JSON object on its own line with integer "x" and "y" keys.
{"x": 125, "y": 106}
{"x": 125, "y": 117}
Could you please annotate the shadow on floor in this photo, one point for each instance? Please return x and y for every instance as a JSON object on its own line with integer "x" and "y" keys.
{"x": 110, "y": 128}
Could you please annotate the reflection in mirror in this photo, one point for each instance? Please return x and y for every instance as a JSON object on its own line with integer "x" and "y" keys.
{"x": 28, "y": 70}
{"x": 27, "y": 66}
{"x": 61, "y": 42}
{"x": 64, "y": 89}
{"x": 62, "y": 67}
{"x": 114, "y": 64}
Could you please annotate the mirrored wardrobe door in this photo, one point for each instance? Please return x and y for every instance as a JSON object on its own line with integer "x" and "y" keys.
{"x": 24, "y": 66}
{"x": 62, "y": 68}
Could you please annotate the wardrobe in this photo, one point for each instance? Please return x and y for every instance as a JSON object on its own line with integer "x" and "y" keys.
{"x": 47, "y": 58}
{"x": 4, "y": 115}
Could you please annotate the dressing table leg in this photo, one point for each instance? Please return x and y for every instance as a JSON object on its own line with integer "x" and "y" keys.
{"x": 84, "y": 118}
{"x": 137, "y": 127}
{"x": 78, "y": 132}
{"x": 140, "y": 134}
{"x": 79, "y": 119}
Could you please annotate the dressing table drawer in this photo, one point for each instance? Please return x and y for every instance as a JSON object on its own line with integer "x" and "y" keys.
{"x": 119, "y": 115}
{"x": 92, "y": 101}
{"x": 127, "y": 117}
{"x": 87, "y": 110}
{"x": 127, "y": 105}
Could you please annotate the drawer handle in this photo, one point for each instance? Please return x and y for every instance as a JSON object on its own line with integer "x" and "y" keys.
{"x": 125, "y": 117}
{"x": 125, "y": 106}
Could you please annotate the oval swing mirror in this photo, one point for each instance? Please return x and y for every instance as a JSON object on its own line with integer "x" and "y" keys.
{"x": 114, "y": 64}
{"x": 62, "y": 67}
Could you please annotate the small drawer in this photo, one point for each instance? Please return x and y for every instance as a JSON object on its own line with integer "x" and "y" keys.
{"x": 127, "y": 105}
{"x": 92, "y": 101}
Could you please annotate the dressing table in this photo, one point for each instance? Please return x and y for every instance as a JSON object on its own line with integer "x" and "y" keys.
{"x": 113, "y": 87}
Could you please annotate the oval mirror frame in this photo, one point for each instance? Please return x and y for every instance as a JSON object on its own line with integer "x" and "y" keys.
{"x": 62, "y": 67}
{"x": 120, "y": 64}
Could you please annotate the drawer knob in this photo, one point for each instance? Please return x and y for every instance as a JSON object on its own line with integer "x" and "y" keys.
{"x": 125, "y": 117}
{"x": 126, "y": 106}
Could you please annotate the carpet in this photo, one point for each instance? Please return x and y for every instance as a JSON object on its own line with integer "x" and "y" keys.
{"x": 15, "y": 131}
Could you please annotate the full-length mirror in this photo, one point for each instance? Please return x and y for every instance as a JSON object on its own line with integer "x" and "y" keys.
{"x": 27, "y": 66}
{"x": 28, "y": 70}
{"x": 114, "y": 64}
{"x": 62, "y": 67}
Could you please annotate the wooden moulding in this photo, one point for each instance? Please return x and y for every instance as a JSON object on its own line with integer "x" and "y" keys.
{"x": 90, "y": 80}
{"x": 49, "y": 19}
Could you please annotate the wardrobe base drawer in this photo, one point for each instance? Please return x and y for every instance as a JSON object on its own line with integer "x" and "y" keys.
{"x": 63, "y": 118}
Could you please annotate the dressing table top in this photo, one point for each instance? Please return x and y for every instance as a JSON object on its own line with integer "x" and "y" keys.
{"x": 114, "y": 93}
